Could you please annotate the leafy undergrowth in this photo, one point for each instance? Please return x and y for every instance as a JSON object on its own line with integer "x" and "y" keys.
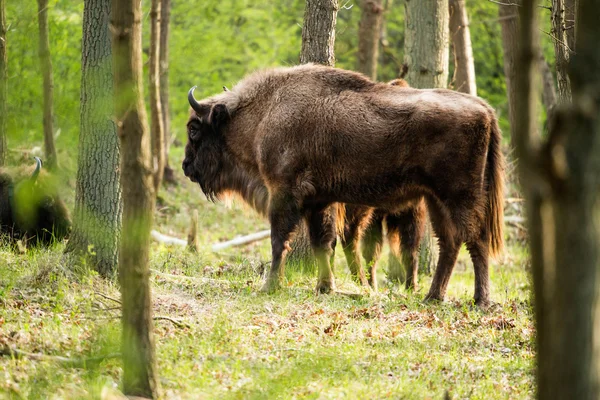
{"x": 223, "y": 338}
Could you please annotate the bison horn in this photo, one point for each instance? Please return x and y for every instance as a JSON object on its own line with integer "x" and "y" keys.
{"x": 38, "y": 167}
{"x": 225, "y": 89}
{"x": 194, "y": 103}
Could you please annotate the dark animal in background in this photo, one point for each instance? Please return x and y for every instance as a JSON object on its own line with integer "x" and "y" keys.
{"x": 317, "y": 135}
{"x": 30, "y": 208}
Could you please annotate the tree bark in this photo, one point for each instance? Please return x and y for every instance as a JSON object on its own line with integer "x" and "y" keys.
{"x": 318, "y": 32}
{"x": 426, "y": 56}
{"x": 426, "y": 50}
{"x": 157, "y": 126}
{"x": 548, "y": 89}
{"x": 464, "y": 65}
{"x": 98, "y": 209}
{"x": 46, "y": 65}
{"x": 562, "y": 51}
{"x": 165, "y": 19}
{"x": 139, "y": 363}
{"x": 3, "y": 83}
{"x": 509, "y": 21}
{"x": 561, "y": 180}
{"x": 369, "y": 30}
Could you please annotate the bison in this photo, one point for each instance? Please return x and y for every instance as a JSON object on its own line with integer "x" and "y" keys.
{"x": 30, "y": 208}
{"x": 314, "y": 136}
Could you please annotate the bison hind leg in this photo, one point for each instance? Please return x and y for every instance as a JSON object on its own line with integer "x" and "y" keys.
{"x": 479, "y": 251}
{"x": 356, "y": 218}
{"x": 372, "y": 245}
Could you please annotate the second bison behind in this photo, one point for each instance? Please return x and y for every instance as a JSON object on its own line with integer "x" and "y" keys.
{"x": 315, "y": 135}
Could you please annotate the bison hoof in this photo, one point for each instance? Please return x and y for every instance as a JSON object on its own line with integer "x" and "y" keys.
{"x": 433, "y": 298}
{"x": 483, "y": 304}
{"x": 271, "y": 286}
{"x": 325, "y": 287}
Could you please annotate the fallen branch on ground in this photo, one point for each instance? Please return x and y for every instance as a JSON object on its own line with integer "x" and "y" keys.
{"x": 71, "y": 362}
{"x": 239, "y": 241}
{"x": 190, "y": 278}
{"x": 178, "y": 324}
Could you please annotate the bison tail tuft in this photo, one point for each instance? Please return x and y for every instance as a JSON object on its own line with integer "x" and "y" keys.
{"x": 495, "y": 193}
{"x": 340, "y": 219}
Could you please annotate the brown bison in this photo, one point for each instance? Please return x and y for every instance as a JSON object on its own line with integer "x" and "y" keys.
{"x": 317, "y": 135}
{"x": 30, "y": 209}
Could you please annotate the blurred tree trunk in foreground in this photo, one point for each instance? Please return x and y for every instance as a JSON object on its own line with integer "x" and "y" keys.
{"x": 369, "y": 30}
{"x": 318, "y": 39}
{"x": 464, "y": 65}
{"x": 157, "y": 132}
{"x": 98, "y": 208}
{"x": 139, "y": 363}
{"x": 561, "y": 181}
{"x": 46, "y": 63}
{"x": 3, "y": 83}
{"x": 426, "y": 56}
{"x": 165, "y": 19}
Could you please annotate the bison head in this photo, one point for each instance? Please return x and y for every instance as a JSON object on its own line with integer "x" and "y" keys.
{"x": 32, "y": 210}
{"x": 205, "y": 153}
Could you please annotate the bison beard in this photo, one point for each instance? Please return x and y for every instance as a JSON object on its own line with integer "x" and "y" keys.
{"x": 317, "y": 135}
{"x": 30, "y": 209}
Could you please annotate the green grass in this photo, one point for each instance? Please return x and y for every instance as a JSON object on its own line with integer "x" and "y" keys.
{"x": 243, "y": 344}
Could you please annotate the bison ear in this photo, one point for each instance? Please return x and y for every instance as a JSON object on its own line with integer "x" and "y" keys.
{"x": 219, "y": 114}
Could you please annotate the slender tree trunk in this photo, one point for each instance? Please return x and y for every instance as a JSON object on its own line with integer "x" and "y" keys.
{"x": 318, "y": 32}
{"x": 464, "y": 65}
{"x": 165, "y": 19}
{"x": 383, "y": 35}
{"x": 97, "y": 215}
{"x": 3, "y": 83}
{"x": 369, "y": 29}
{"x": 139, "y": 363}
{"x": 548, "y": 89}
{"x": 509, "y": 22}
{"x": 318, "y": 39}
{"x": 426, "y": 50}
{"x": 570, "y": 18}
{"x": 426, "y": 55}
{"x": 157, "y": 126}
{"x": 46, "y": 63}
{"x": 561, "y": 49}
{"x": 561, "y": 179}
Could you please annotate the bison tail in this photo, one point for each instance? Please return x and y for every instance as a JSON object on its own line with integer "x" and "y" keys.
{"x": 495, "y": 191}
{"x": 340, "y": 219}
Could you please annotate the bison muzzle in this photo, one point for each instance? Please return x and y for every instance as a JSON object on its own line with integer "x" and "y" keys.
{"x": 314, "y": 136}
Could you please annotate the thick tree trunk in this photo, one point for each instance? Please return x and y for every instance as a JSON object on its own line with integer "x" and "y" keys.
{"x": 561, "y": 178}
{"x": 139, "y": 363}
{"x": 561, "y": 49}
{"x": 46, "y": 64}
{"x": 318, "y": 32}
{"x": 3, "y": 83}
{"x": 157, "y": 126}
{"x": 426, "y": 50}
{"x": 509, "y": 21}
{"x": 464, "y": 66}
{"x": 426, "y": 56}
{"x": 369, "y": 29}
{"x": 98, "y": 209}
{"x": 165, "y": 19}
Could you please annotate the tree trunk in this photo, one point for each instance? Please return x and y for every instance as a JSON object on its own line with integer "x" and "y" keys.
{"x": 548, "y": 89}
{"x": 3, "y": 84}
{"x": 570, "y": 18}
{"x": 139, "y": 364}
{"x": 509, "y": 22}
{"x": 318, "y": 32}
{"x": 426, "y": 56}
{"x": 165, "y": 19}
{"x": 46, "y": 65}
{"x": 157, "y": 126}
{"x": 98, "y": 209}
{"x": 369, "y": 29}
{"x": 561, "y": 50}
{"x": 464, "y": 66}
{"x": 426, "y": 50}
{"x": 561, "y": 180}
{"x": 318, "y": 39}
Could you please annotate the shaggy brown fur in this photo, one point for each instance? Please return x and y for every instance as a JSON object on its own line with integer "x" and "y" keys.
{"x": 30, "y": 209}
{"x": 317, "y": 135}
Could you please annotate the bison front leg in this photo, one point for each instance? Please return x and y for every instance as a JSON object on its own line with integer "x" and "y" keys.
{"x": 284, "y": 215}
{"x": 351, "y": 240}
{"x": 412, "y": 227}
{"x": 321, "y": 226}
{"x": 372, "y": 245}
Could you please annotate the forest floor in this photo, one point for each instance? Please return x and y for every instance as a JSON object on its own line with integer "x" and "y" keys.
{"x": 218, "y": 336}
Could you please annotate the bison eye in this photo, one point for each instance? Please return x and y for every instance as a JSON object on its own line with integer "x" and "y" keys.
{"x": 194, "y": 134}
